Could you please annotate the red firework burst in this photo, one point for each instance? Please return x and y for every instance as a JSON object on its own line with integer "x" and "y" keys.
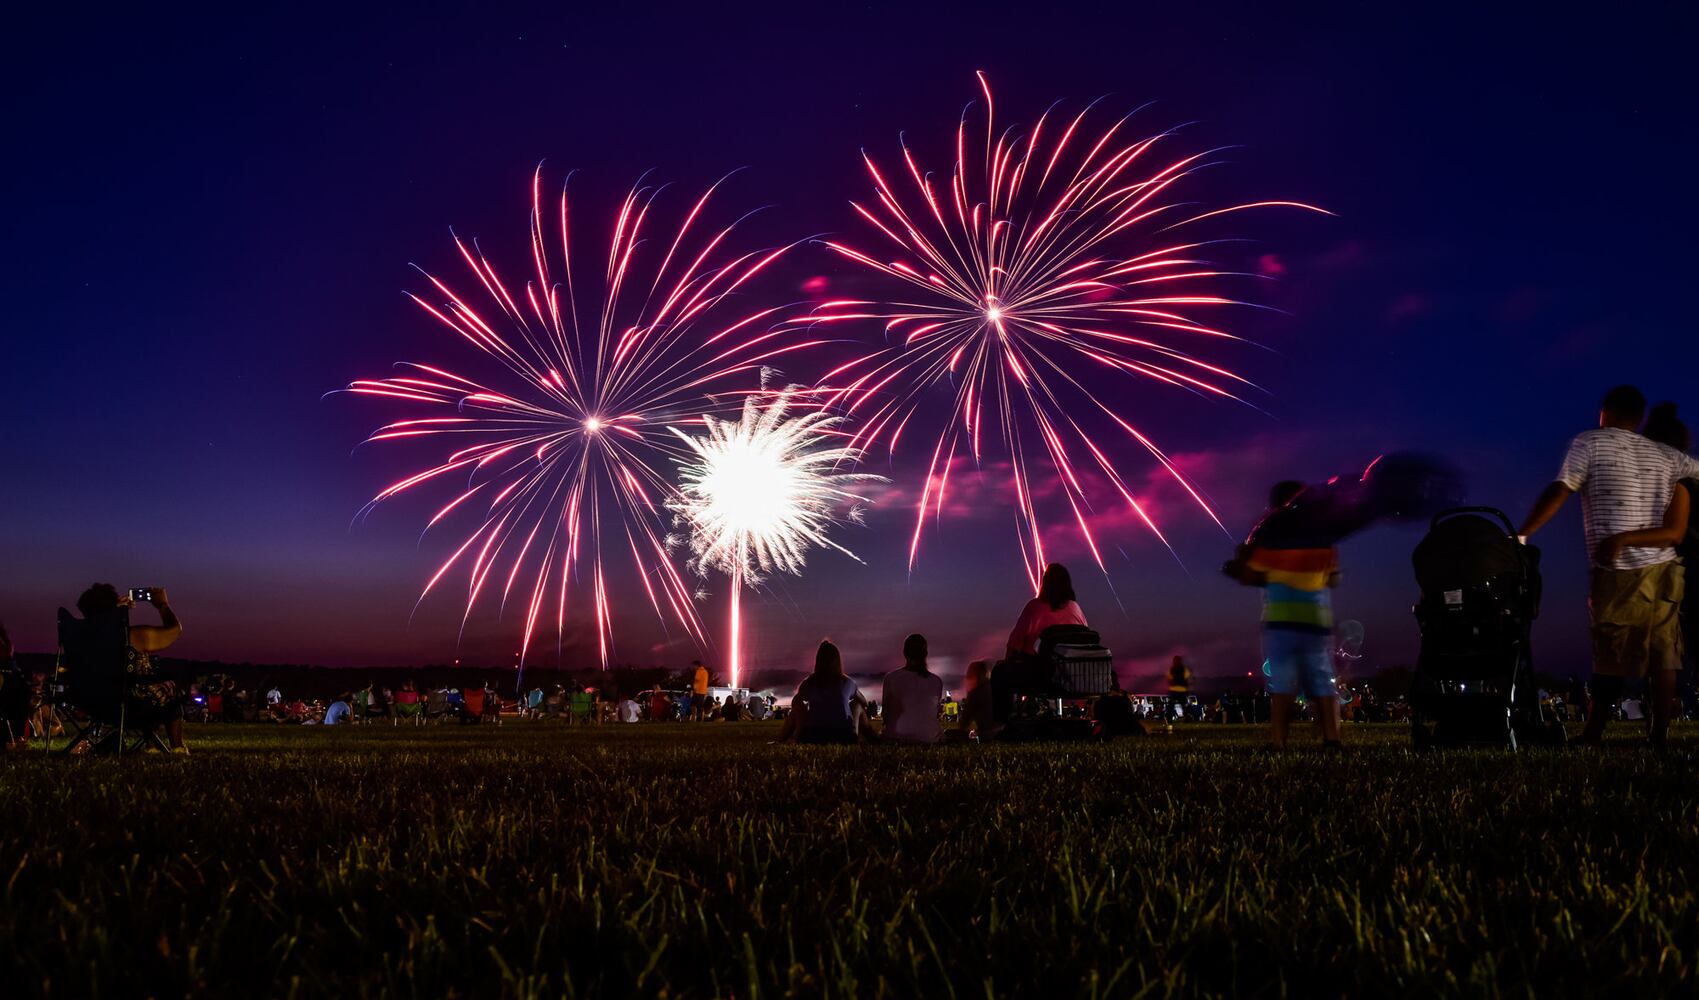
{"x": 1048, "y": 255}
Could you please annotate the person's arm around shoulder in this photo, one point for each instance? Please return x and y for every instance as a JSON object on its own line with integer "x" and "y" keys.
{"x": 1671, "y": 532}
{"x": 153, "y": 638}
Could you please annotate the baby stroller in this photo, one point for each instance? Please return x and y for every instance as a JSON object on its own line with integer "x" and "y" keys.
{"x": 1028, "y": 692}
{"x": 1474, "y": 681}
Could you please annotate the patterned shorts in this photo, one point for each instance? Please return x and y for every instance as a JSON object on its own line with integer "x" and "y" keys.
{"x": 1636, "y": 617}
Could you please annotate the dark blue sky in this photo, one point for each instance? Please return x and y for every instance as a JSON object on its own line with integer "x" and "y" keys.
{"x": 209, "y": 222}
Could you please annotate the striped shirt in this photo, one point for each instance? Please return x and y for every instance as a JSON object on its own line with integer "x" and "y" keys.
{"x": 1294, "y": 594}
{"x": 1625, "y": 482}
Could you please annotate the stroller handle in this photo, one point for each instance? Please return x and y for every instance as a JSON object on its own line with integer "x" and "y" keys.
{"x": 1503, "y": 518}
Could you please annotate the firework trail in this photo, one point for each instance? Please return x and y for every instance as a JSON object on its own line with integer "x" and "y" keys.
{"x": 758, "y": 492}
{"x": 560, "y": 463}
{"x": 1042, "y": 258}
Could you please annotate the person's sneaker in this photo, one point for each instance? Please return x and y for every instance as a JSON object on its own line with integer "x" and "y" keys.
{"x": 180, "y": 751}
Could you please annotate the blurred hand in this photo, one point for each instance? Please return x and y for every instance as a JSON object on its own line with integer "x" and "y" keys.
{"x": 159, "y": 599}
{"x": 1607, "y": 551}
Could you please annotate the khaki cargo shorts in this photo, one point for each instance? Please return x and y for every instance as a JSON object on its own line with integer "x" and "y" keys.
{"x": 1636, "y": 618}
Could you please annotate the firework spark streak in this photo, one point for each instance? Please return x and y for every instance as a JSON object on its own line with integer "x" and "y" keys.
{"x": 760, "y": 491}
{"x": 560, "y": 463}
{"x": 1041, "y": 258}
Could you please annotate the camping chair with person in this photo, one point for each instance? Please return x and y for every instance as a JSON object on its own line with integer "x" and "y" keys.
{"x": 581, "y": 708}
{"x": 407, "y": 711}
{"x": 93, "y": 666}
{"x": 436, "y": 705}
{"x": 471, "y": 705}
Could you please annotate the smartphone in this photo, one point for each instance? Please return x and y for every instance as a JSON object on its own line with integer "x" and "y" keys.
{"x": 141, "y": 595}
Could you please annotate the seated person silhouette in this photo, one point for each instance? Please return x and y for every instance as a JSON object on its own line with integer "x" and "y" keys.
{"x": 1054, "y": 605}
{"x": 153, "y": 700}
{"x": 1021, "y": 668}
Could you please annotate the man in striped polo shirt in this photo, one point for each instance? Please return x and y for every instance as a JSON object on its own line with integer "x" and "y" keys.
{"x": 1625, "y": 482}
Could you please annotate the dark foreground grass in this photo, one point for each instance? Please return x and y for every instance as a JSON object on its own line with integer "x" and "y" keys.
{"x": 700, "y": 861}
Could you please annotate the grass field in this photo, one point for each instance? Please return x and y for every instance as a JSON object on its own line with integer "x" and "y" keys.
{"x": 701, "y": 861}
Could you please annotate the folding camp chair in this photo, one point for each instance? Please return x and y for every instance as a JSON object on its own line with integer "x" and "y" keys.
{"x": 580, "y": 707}
{"x": 93, "y": 657}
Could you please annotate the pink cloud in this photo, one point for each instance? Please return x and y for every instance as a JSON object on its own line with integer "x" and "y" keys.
{"x": 969, "y": 490}
{"x": 1406, "y": 307}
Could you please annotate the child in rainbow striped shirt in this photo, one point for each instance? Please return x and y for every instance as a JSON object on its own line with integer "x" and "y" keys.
{"x": 1297, "y": 621}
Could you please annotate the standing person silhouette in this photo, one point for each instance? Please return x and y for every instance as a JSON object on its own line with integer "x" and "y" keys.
{"x": 1665, "y": 427}
{"x": 698, "y": 691}
{"x": 1627, "y": 484}
{"x": 1297, "y": 621}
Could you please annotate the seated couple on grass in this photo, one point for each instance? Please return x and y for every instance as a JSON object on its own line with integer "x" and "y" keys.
{"x": 829, "y": 708}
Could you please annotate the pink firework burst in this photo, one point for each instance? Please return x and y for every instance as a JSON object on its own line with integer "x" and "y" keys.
{"x": 1042, "y": 260}
{"x": 564, "y": 460}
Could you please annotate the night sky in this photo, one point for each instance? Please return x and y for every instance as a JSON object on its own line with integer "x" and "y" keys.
{"x": 210, "y": 221}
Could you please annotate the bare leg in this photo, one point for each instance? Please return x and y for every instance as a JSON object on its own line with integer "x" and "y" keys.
{"x": 1661, "y": 687}
{"x": 1327, "y": 718}
{"x": 1280, "y": 718}
{"x": 174, "y": 730}
{"x": 864, "y": 731}
{"x": 793, "y": 724}
{"x": 1602, "y": 695}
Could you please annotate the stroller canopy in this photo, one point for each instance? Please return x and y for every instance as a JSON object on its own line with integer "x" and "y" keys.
{"x": 1464, "y": 551}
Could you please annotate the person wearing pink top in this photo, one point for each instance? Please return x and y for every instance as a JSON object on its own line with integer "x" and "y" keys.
{"x": 1054, "y": 605}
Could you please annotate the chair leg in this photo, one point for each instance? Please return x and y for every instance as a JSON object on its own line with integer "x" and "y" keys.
{"x": 121, "y": 708}
{"x": 83, "y": 736}
{"x": 109, "y": 741}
